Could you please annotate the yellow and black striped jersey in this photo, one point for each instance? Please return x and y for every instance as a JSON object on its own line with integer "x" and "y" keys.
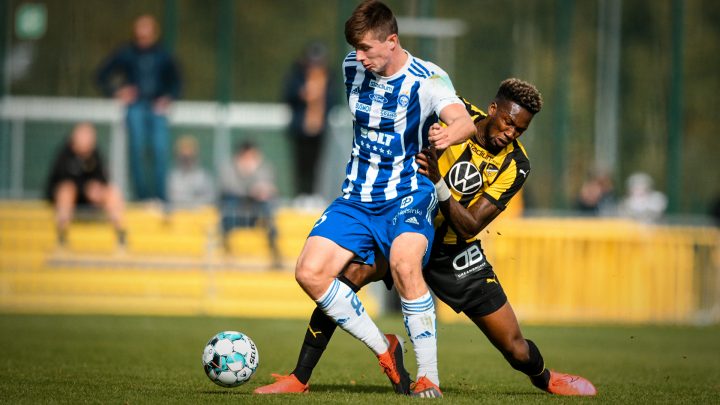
{"x": 471, "y": 172}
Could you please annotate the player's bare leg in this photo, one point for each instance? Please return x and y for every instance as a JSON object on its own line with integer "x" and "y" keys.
{"x": 320, "y": 261}
{"x": 502, "y": 329}
{"x": 65, "y": 197}
{"x": 318, "y": 266}
{"x": 109, "y": 198}
{"x": 318, "y": 335}
{"x": 418, "y": 307}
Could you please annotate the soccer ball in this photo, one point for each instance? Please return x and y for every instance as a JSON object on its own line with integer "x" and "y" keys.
{"x": 230, "y": 358}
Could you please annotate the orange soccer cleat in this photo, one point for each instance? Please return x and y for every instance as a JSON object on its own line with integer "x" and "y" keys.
{"x": 284, "y": 384}
{"x": 392, "y": 364}
{"x": 424, "y": 388}
{"x": 568, "y": 384}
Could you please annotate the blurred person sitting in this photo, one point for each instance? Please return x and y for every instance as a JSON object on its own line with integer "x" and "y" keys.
{"x": 715, "y": 210}
{"x": 308, "y": 91}
{"x": 596, "y": 196}
{"x": 189, "y": 185}
{"x": 78, "y": 179}
{"x": 145, "y": 78}
{"x": 247, "y": 194}
{"x": 642, "y": 202}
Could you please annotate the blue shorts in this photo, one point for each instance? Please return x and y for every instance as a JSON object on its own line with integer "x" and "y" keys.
{"x": 361, "y": 227}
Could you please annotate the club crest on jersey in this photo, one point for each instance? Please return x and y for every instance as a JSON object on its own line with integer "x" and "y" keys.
{"x": 406, "y": 201}
{"x": 382, "y": 86}
{"x": 491, "y": 171}
{"x": 403, "y": 100}
{"x": 465, "y": 178}
{"x": 378, "y": 98}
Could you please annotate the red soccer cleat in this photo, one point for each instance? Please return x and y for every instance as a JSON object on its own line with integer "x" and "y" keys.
{"x": 568, "y": 384}
{"x": 424, "y": 388}
{"x": 392, "y": 364}
{"x": 284, "y": 384}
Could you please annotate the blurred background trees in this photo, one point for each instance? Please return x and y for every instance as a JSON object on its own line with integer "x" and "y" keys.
{"x": 240, "y": 51}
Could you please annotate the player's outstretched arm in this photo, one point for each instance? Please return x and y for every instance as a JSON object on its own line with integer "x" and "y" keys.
{"x": 459, "y": 127}
{"x": 466, "y": 222}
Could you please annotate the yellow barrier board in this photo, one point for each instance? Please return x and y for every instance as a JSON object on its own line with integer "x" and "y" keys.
{"x": 553, "y": 270}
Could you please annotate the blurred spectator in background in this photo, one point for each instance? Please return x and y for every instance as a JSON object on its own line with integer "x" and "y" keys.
{"x": 145, "y": 78}
{"x": 308, "y": 91}
{"x": 597, "y": 196}
{"x": 78, "y": 179}
{"x": 247, "y": 194}
{"x": 642, "y": 202}
{"x": 715, "y": 210}
{"x": 189, "y": 184}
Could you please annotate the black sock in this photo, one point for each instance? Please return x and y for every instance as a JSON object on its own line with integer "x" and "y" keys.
{"x": 534, "y": 367}
{"x": 317, "y": 337}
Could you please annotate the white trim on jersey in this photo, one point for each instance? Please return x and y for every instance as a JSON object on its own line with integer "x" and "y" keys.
{"x": 394, "y": 180}
{"x": 352, "y": 176}
{"x": 398, "y": 162}
{"x": 372, "y": 173}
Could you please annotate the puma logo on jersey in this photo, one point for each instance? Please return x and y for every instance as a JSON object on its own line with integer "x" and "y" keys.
{"x": 523, "y": 172}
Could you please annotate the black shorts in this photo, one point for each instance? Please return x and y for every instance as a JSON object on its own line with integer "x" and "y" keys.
{"x": 463, "y": 279}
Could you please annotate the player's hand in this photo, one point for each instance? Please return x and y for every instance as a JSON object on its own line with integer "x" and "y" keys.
{"x": 439, "y": 136}
{"x": 162, "y": 105}
{"x": 126, "y": 94}
{"x": 428, "y": 162}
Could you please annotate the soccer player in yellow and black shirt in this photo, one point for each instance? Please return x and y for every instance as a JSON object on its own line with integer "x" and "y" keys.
{"x": 474, "y": 182}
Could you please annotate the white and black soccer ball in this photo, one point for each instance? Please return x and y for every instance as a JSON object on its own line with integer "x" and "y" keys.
{"x": 230, "y": 358}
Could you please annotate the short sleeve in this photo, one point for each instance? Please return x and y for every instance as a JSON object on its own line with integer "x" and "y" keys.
{"x": 440, "y": 92}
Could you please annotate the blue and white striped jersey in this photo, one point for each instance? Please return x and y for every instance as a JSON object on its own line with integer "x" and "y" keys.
{"x": 391, "y": 117}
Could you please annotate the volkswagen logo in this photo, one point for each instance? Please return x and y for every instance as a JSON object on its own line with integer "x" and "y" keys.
{"x": 465, "y": 178}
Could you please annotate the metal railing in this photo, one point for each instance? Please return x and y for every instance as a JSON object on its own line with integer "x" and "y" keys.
{"x": 16, "y": 112}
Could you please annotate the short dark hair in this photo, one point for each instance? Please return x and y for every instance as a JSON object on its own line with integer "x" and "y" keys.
{"x": 522, "y": 93}
{"x": 244, "y": 146}
{"x": 370, "y": 16}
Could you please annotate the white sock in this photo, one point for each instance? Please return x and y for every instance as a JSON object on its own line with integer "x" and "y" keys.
{"x": 341, "y": 304}
{"x": 419, "y": 317}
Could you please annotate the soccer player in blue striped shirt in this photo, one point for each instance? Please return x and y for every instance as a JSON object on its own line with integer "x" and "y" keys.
{"x": 396, "y": 100}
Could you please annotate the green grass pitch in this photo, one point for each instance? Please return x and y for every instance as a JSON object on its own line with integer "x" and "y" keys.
{"x": 155, "y": 360}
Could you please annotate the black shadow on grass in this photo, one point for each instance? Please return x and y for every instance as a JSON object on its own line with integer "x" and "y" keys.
{"x": 469, "y": 391}
{"x": 228, "y": 392}
{"x": 357, "y": 388}
{"x": 325, "y": 388}
{"x": 526, "y": 394}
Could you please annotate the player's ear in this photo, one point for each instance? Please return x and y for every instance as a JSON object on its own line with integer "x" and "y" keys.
{"x": 393, "y": 41}
{"x": 492, "y": 108}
